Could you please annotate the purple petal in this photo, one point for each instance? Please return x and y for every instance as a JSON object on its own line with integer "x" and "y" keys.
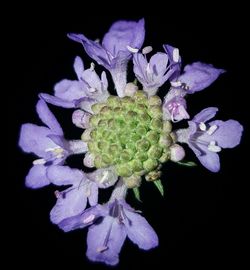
{"x": 60, "y": 141}
{"x": 86, "y": 104}
{"x": 205, "y": 115}
{"x": 84, "y": 219}
{"x": 175, "y": 61}
{"x": 105, "y": 241}
{"x": 71, "y": 202}
{"x": 37, "y": 177}
{"x": 93, "y": 49}
{"x": 48, "y": 118}
{"x": 122, "y": 34}
{"x": 228, "y": 134}
{"x": 198, "y": 76}
{"x": 57, "y": 101}
{"x": 78, "y": 67}
{"x": 140, "y": 65}
{"x": 140, "y": 232}
{"x": 34, "y": 139}
{"x": 64, "y": 175}
{"x": 208, "y": 159}
{"x": 81, "y": 119}
{"x": 70, "y": 90}
{"x": 158, "y": 63}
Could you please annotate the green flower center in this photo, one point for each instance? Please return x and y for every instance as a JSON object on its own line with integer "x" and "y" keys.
{"x": 129, "y": 134}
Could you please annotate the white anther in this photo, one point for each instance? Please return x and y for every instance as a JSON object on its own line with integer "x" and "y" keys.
{"x": 213, "y": 147}
{"x": 52, "y": 149}
{"x": 92, "y": 66}
{"x": 175, "y": 83}
{"x": 212, "y": 129}
{"x": 97, "y": 40}
{"x": 92, "y": 90}
{"x": 57, "y": 194}
{"x": 39, "y": 161}
{"x": 202, "y": 126}
{"x": 133, "y": 50}
{"x": 89, "y": 219}
{"x": 147, "y": 50}
{"x": 176, "y": 55}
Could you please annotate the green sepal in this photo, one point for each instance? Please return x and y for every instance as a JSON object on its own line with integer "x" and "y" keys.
{"x": 137, "y": 194}
{"x": 159, "y": 186}
{"x": 187, "y": 163}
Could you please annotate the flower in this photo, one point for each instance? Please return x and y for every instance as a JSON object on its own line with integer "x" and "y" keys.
{"x": 73, "y": 200}
{"x": 84, "y": 92}
{"x": 110, "y": 225}
{"x": 154, "y": 74}
{"x": 48, "y": 144}
{"x": 207, "y": 139}
{"x": 115, "y": 50}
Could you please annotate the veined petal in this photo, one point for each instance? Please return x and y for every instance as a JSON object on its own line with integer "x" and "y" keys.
{"x": 71, "y": 202}
{"x": 93, "y": 196}
{"x": 84, "y": 219}
{"x": 105, "y": 241}
{"x": 57, "y": 101}
{"x": 228, "y": 134}
{"x": 205, "y": 115}
{"x": 64, "y": 175}
{"x": 34, "y": 139}
{"x": 37, "y": 177}
{"x": 139, "y": 231}
{"x": 70, "y": 90}
{"x": 199, "y": 76}
{"x": 47, "y": 117}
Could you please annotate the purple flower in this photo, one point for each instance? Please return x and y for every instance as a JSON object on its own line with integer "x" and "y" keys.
{"x": 207, "y": 139}
{"x": 83, "y": 93}
{"x": 115, "y": 50}
{"x": 46, "y": 142}
{"x": 196, "y": 77}
{"x": 154, "y": 74}
{"x": 73, "y": 200}
{"x": 174, "y": 105}
{"x": 110, "y": 224}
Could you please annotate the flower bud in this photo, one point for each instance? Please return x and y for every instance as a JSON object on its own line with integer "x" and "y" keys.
{"x": 177, "y": 152}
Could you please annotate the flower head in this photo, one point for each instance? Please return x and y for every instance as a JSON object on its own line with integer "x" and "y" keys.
{"x": 126, "y": 138}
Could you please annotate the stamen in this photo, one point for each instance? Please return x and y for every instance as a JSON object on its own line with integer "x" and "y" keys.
{"x": 92, "y": 90}
{"x": 176, "y": 55}
{"x": 147, "y": 50}
{"x": 39, "y": 161}
{"x": 133, "y": 50}
{"x": 92, "y": 66}
{"x": 202, "y": 126}
{"x": 213, "y": 147}
{"x": 176, "y": 83}
{"x": 89, "y": 219}
{"x": 212, "y": 129}
{"x": 52, "y": 149}
{"x": 57, "y": 194}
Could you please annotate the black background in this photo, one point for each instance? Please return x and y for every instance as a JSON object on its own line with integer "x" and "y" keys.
{"x": 200, "y": 221}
